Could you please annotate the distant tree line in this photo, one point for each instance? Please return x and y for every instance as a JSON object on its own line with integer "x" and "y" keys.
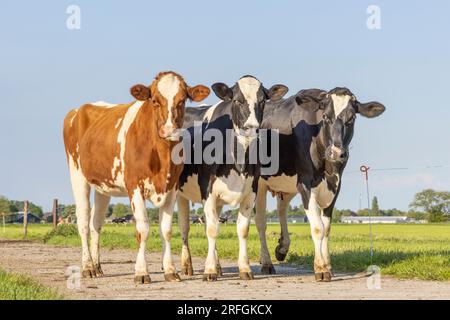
{"x": 8, "y": 207}
{"x": 430, "y": 205}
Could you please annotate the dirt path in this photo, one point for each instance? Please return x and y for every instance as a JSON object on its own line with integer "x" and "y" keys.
{"x": 48, "y": 265}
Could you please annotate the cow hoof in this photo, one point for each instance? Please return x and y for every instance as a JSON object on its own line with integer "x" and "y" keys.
{"x": 210, "y": 277}
{"x": 246, "y": 275}
{"x": 172, "y": 277}
{"x": 187, "y": 270}
{"x": 142, "y": 279}
{"x": 268, "y": 269}
{"x": 323, "y": 276}
{"x": 88, "y": 273}
{"x": 98, "y": 271}
{"x": 219, "y": 270}
{"x": 280, "y": 256}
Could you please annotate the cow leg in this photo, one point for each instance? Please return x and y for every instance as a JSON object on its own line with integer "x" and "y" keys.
{"x": 212, "y": 231}
{"x": 243, "y": 224}
{"x": 219, "y": 267}
{"x": 318, "y": 229}
{"x": 81, "y": 191}
{"x": 183, "y": 223}
{"x": 142, "y": 230}
{"x": 325, "y": 250}
{"x": 261, "y": 224}
{"x": 165, "y": 229}
{"x": 284, "y": 242}
{"x": 98, "y": 214}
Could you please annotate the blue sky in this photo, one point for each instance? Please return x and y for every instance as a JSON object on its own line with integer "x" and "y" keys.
{"x": 46, "y": 69}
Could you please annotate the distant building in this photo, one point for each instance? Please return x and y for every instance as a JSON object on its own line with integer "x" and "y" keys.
{"x": 297, "y": 219}
{"x": 290, "y": 219}
{"x": 48, "y": 217}
{"x": 378, "y": 219}
{"x": 18, "y": 218}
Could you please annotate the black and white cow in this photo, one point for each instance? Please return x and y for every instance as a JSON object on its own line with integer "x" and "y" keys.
{"x": 315, "y": 128}
{"x": 224, "y": 181}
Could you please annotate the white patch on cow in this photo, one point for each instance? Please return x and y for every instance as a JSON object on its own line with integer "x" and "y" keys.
{"x": 243, "y": 223}
{"x": 110, "y": 191}
{"x": 233, "y": 188}
{"x": 168, "y": 86}
{"x": 118, "y": 123}
{"x": 81, "y": 191}
{"x": 103, "y": 104}
{"x": 158, "y": 199}
{"x": 128, "y": 119}
{"x": 209, "y": 113}
{"x": 340, "y": 102}
{"x": 118, "y": 190}
{"x": 283, "y": 183}
{"x": 77, "y": 148}
{"x": 249, "y": 87}
{"x": 165, "y": 222}
{"x": 142, "y": 226}
{"x": 74, "y": 116}
{"x": 212, "y": 231}
{"x": 323, "y": 196}
{"x": 191, "y": 190}
{"x": 243, "y": 140}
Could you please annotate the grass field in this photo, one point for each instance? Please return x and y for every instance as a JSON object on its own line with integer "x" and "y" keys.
{"x": 404, "y": 251}
{"x": 19, "y": 287}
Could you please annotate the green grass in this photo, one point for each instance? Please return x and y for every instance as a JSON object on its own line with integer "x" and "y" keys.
{"x": 404, "y": 251}
{"x": 19, "y": 287}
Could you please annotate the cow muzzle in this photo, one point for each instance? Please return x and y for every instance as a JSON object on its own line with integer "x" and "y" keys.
{"x": 336, "y": 154}
{"x": 249, "y": 131}
{"x": 169, "y": 133}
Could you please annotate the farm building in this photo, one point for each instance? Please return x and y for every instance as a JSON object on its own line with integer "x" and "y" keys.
{"x": 48, "y": 217}
{"x": 18, "y": 218}
{"x": 378, "y": 219}
{"x": 290, "y": 219}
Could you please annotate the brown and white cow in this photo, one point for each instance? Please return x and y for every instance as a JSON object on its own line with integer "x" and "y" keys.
{"x": 125, "y": 150}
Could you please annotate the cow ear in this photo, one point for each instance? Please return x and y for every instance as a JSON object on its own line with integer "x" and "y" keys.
{"x": 370, "y": 109}
{"x": 140, "y": 92}
{"x": 308, "y": 103}
{"x": 222, "y": 91}
{"x": 198, "y": 93}
{"x": 276, "y": 92}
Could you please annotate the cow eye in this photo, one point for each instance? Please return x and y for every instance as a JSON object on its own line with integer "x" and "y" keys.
{"x": 351, "y": 120}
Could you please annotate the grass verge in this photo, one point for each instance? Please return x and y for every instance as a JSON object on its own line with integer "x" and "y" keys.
{"x": 18, "y": 287}
{"x": 404, "y": 251}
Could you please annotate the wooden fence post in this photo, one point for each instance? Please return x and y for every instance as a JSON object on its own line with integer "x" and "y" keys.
{"x": 25, "y": 218}
{"x": 55, "y": 213}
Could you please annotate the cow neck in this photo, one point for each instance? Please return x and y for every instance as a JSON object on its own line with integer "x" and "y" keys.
{"x": 147, "y": 117}
{"x": 240, "y": 167}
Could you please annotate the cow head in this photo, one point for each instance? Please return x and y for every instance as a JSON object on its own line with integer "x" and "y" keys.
{"x": 248, "y": 97}
{"x": 168, "y": 94}
{"x": 338, "y": 108}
